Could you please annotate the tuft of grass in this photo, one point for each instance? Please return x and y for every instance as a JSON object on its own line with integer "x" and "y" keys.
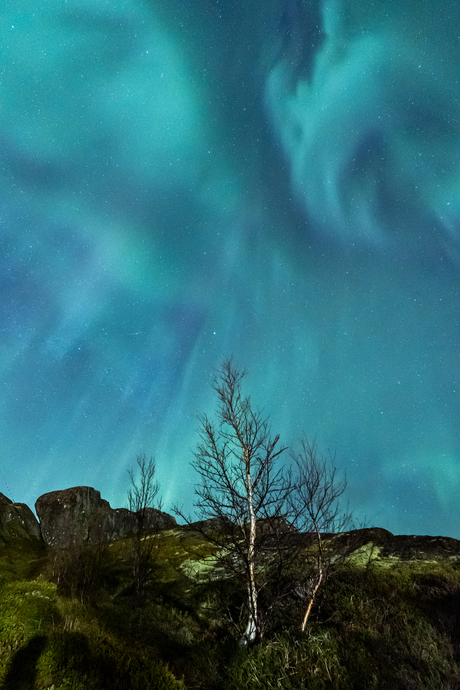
{"x": 290, "y": 663}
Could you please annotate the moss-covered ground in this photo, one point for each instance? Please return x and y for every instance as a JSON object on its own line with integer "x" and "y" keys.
{"x": 378, "y": 623}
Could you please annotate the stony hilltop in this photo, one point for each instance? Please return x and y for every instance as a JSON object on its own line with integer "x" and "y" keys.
{"x": 79, "y": 515}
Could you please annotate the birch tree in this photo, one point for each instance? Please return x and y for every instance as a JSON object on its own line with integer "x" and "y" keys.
{"x": 239, "y": 483}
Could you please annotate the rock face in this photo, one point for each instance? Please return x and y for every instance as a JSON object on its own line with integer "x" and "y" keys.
{"x": 16, "y": 519}
{"x": 70, "y": 516}
{"x": 79, "y": 515}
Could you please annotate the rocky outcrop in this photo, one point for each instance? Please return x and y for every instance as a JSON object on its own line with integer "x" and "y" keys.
{"x": 79, "y": 515}
{"x": 17, "y": 520}
{"x": 382, "y": 544}
{"x": 71, "y": 516}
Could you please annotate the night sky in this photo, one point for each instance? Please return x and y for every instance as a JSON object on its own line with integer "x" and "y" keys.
{"x": 184, "y": 181}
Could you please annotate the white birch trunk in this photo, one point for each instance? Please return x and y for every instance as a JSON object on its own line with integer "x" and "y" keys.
{"x": 251, "y": 629}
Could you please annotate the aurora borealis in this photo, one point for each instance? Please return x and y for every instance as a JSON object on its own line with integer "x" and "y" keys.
{"x": 185, "y": 181}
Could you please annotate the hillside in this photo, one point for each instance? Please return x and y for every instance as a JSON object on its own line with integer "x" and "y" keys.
{"x": 387, "y": 617}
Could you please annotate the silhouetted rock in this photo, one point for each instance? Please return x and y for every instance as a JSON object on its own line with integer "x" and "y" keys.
{"x": 121, "y": 522}
{"x": 66, "y": 517}
{"x": 79, "y": 515}
{"x": 17, "y": 520}
{"x": 217, "y": 524}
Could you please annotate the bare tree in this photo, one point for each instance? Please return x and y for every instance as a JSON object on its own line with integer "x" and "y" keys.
{"x": 83, "y": 568}
{"x": 274, "y": 527}
{"x": 314, "y": 507}
{"x": 239, "y": 484}
{"x": 142, "y": 497}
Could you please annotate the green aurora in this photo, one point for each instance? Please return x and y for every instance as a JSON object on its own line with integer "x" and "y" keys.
{"x": 180, "y": 183}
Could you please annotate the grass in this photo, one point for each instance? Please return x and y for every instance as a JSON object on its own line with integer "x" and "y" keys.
{"x": 379, "y": 623}
{"x": 48, "y": 641}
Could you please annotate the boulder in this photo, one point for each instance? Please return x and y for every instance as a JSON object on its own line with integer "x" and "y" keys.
{"x": 17, "y": 520}
{"x": 72, "y": 516}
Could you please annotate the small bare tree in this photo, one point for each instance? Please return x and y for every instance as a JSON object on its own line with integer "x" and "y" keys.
{"x": 239, "y": 484}
{"x": 314, "y": 508}
{"x": 143, "y": 496}
{"x": 83, "y": 568}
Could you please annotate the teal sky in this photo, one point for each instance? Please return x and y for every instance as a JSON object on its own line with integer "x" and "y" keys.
{"x": 281, "y": 183}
